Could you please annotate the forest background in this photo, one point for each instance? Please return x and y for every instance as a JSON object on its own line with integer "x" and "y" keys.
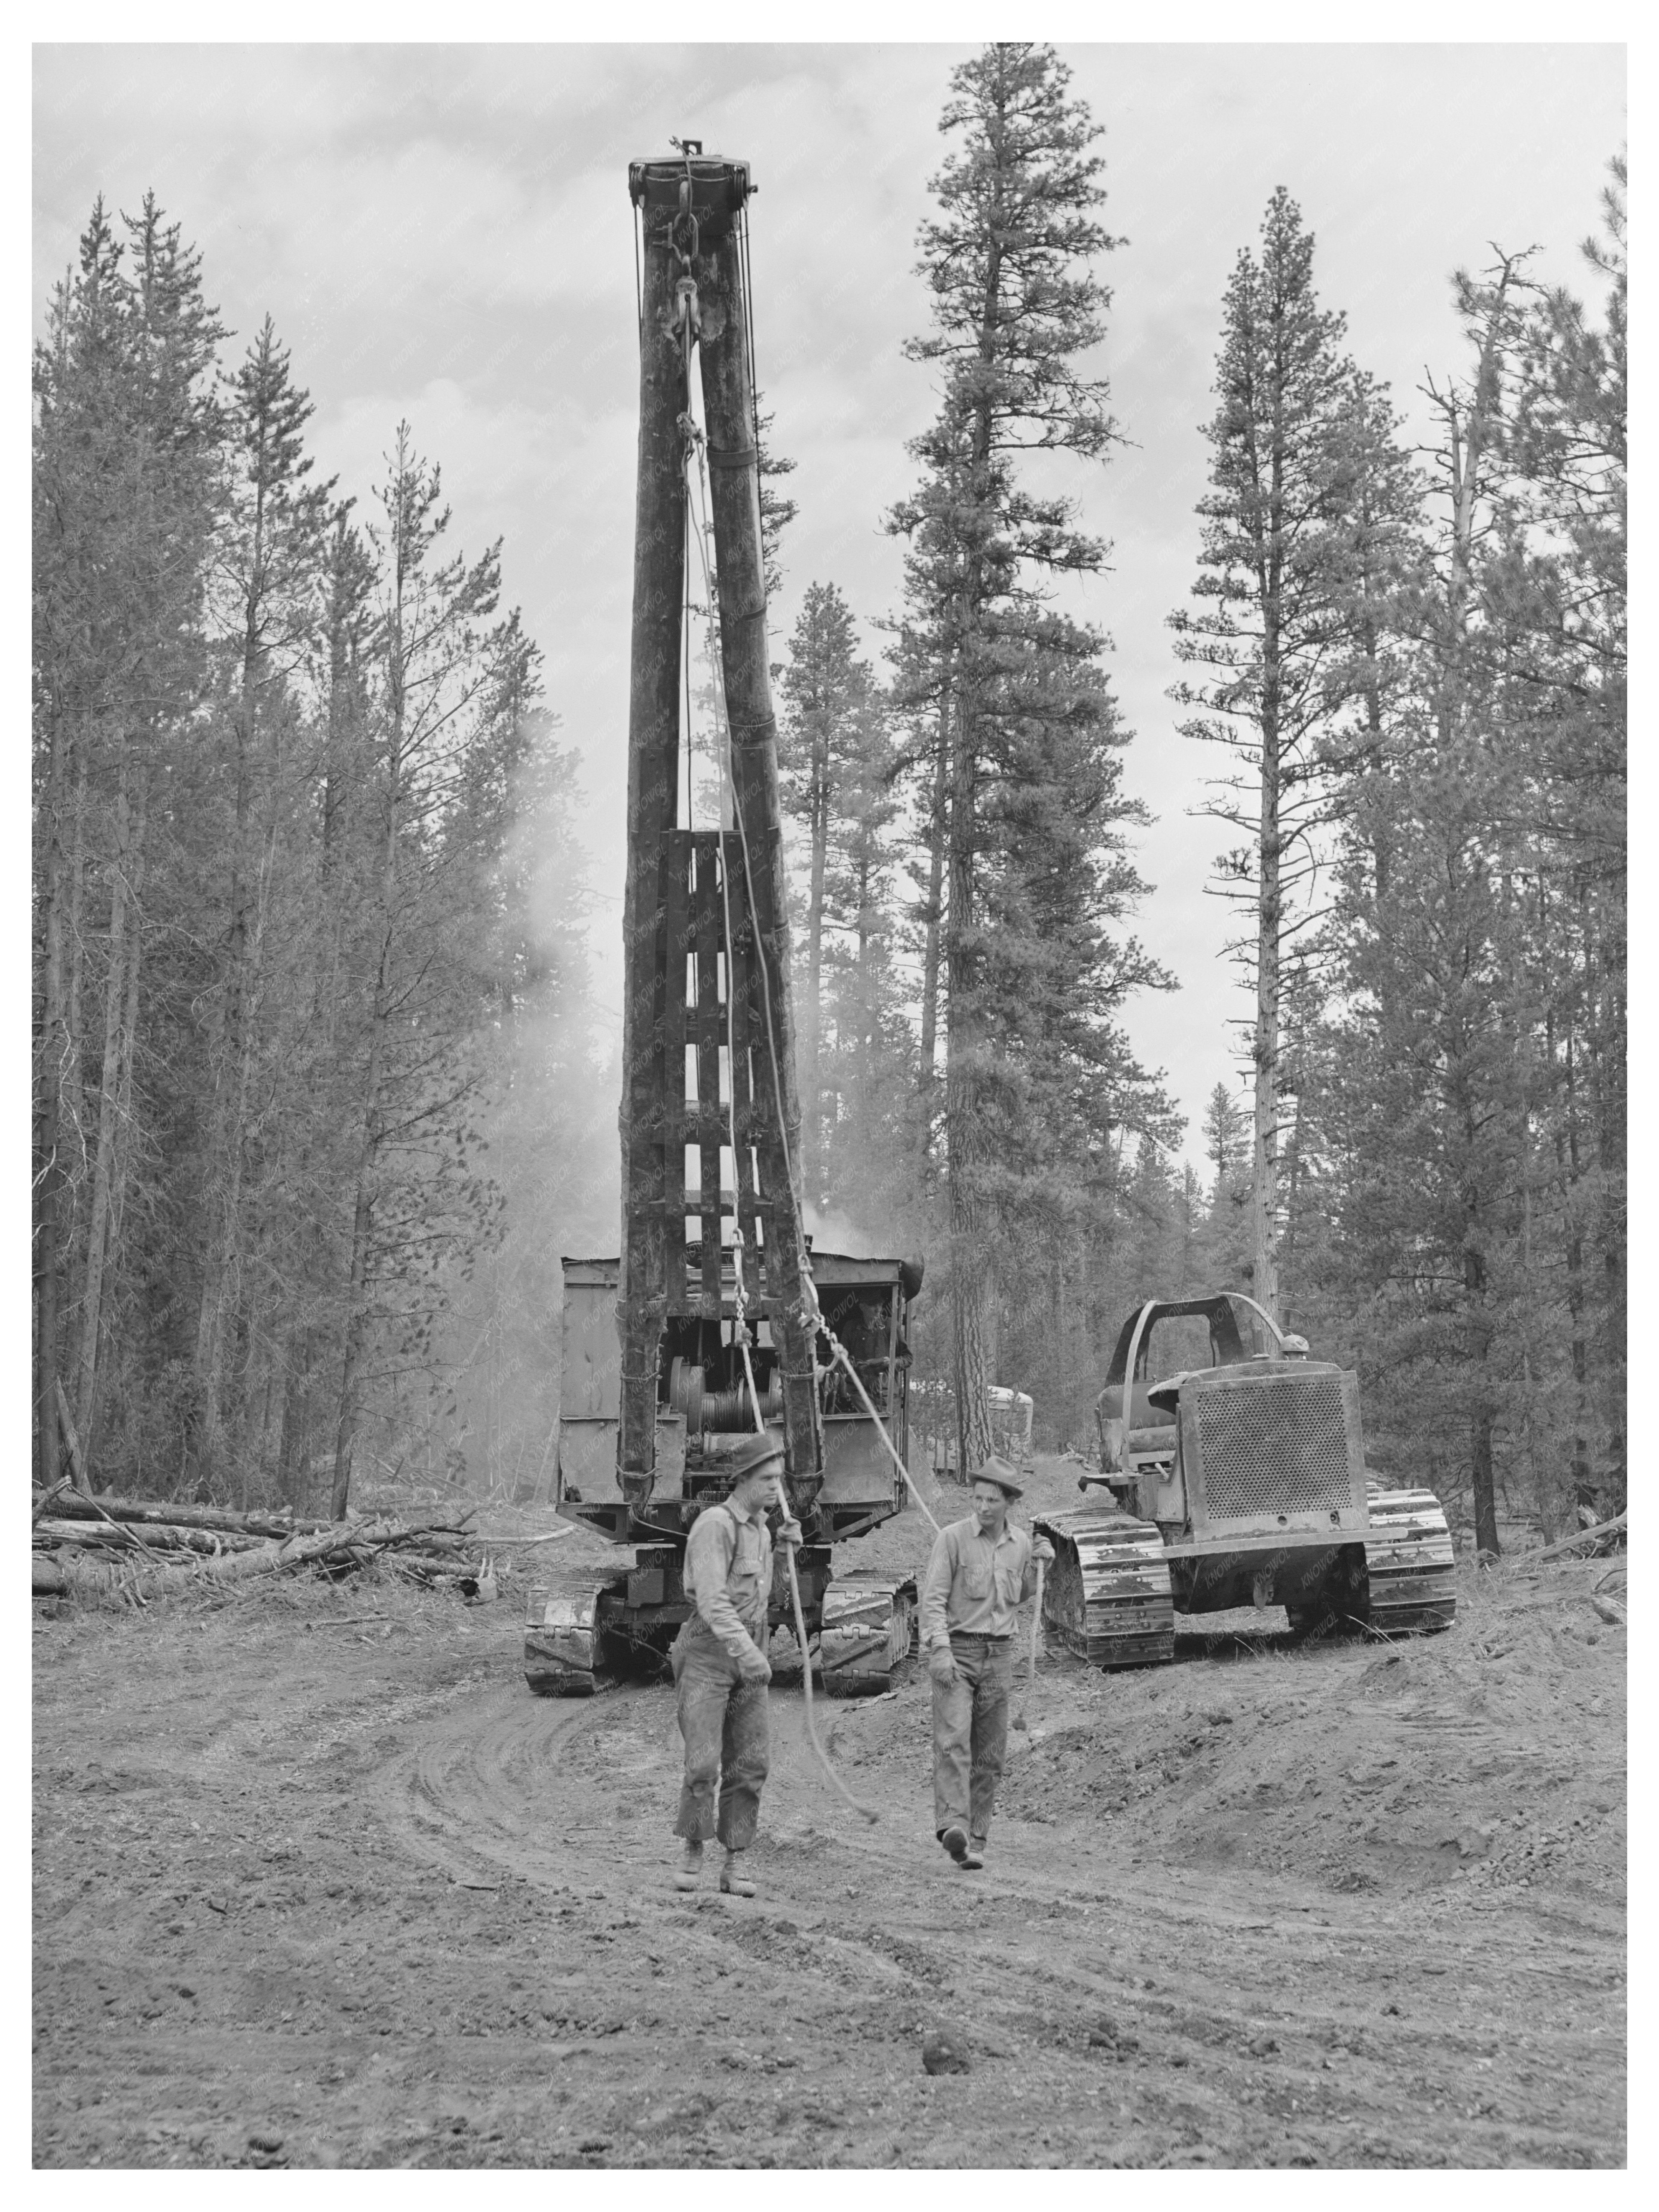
{"x": 323, "y": 1080}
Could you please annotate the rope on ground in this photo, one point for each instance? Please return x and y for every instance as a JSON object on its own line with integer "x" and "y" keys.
{"x": 867, "y": 1811}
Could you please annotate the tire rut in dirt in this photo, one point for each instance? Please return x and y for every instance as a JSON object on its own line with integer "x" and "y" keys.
{"x": 480, "y": 1790}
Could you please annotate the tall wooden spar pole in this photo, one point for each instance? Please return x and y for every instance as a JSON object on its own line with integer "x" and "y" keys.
{"x": 653, "y": 737}
{"x": 734, "y": 491}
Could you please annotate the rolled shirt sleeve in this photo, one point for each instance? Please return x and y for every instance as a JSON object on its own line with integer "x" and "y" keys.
{"x": 936, "y": 1589}
{"x": 1028, "y": 1587}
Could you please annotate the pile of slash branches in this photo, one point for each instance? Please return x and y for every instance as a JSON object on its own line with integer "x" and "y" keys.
{"x": 134, "y": 1549}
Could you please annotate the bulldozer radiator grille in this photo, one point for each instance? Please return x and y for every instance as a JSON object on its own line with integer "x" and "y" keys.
{"x": 1275, "y": 1446}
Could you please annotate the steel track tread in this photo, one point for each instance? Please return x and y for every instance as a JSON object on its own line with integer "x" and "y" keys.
{"x": 1409, "y": 1563}
{"x": 564, "y": 1651}
{"x": 869, "y": 1626}
{"x": 1107, "y": 1598}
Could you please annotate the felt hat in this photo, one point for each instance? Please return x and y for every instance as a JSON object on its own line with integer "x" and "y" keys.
{"x": 998, "y": 1471}
{"x": 757, "y": 1455}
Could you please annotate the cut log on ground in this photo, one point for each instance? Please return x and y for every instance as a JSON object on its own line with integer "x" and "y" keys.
{"x": 158, "y": 1536}
{"x": 142, "y": 1511}
{"x": 97, "y": 1559}
{"x": 1591, "y": 1536}
{"x": 89, "y": 1577}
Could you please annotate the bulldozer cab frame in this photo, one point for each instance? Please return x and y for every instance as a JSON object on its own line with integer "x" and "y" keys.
{"x": 1253, "y": 1443}
{"x": 1240, "y": 1482}
{"x": 1227, "y": 1338}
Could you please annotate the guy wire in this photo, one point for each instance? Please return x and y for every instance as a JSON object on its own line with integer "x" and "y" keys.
{"x": 811, "y": 1311}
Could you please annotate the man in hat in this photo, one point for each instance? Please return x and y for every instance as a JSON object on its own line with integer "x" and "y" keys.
{"x": 720, "y": 1667}
{"x": 981, "y": 1571}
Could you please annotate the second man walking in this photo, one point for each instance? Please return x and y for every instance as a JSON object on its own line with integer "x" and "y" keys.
{"x": 981, "y": 1571}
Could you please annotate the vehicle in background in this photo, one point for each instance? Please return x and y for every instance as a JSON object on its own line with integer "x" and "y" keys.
{"x": 1233, "y": 1470}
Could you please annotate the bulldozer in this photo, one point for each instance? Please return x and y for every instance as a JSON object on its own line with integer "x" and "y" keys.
{"x": 716, "y": 1318}
{"x": 1232, "y": 1473}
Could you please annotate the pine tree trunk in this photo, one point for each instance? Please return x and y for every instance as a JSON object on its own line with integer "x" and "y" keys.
{"x": 368, "y": 1158}
{"x": 930, "y": 958}
{"x": 57, "y": 1051}
{"x": 1580, "y": 1469}
{"x": 357, "y": 1334}
{"x": 123, "y": 1151}
{"x": 812, "y": 1104}
{"x": 864, "y": 1042}
{"x": 112, "y": 1135}
{"x": 970, "y": 1260}
{"x": 1264, "y": 1194}
{"x": 1485, "y": 1496}
{"x": 1607, "y": 1040}
{"x": 228, "y": 1140}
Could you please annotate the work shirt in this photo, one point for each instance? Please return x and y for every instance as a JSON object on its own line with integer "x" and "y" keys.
{"x": 728, "y": 1576}
{"x": 974, "y": 1587}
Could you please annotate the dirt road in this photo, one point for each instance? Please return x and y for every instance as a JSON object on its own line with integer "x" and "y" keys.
{"x": 319, "y": 1883}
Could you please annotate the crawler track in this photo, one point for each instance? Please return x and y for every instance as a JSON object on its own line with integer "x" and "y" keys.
{"x": 1108, "y": 1597}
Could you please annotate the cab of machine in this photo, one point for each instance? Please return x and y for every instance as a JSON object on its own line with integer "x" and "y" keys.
{"x": 1232, "y": 1433}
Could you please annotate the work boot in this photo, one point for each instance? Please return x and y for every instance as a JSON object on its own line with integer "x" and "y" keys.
{"x": 974, "y": 1858}
{"x": 689, "y": 1873}
{"x": 955, "y": 1840}
{"x": 733, "y": 1881}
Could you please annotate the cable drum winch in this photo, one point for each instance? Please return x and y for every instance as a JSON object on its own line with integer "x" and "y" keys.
{"x": 719, "y": 1412}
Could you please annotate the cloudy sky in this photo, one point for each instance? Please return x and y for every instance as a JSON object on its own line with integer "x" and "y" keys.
{"x": 443, "y": 232}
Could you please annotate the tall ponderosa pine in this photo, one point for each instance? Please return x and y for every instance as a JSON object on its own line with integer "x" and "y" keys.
{"x": 1005, "y": 689}
{"x": 1270, "y": 629}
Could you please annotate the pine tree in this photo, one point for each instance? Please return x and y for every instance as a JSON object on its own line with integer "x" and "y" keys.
{"x": 1223, "y": 1134}
{"x": 269, "y": 553}
{"x": 1568, "y": 448}
{"x": 1477, "y": 920}
{"x": 830, "y": 717}
{"x": 1022, "y": 712}
{"x": 127, "y": 447}
{"x": 436, "y": 667}
{"x": 1272, "y": 625}
{"x": 776, "y": 512}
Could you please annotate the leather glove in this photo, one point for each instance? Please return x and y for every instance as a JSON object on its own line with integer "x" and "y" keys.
{"x": 755, "y": 1666}
{"x": 789, "y": 1532}
{"x": 1043, "y": 1550}
{"x": 942, "y": 1666}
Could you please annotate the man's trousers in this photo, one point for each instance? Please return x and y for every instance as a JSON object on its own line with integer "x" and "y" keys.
{"x": 970, "y": 1733}
{"x": 723, "y": 1721}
